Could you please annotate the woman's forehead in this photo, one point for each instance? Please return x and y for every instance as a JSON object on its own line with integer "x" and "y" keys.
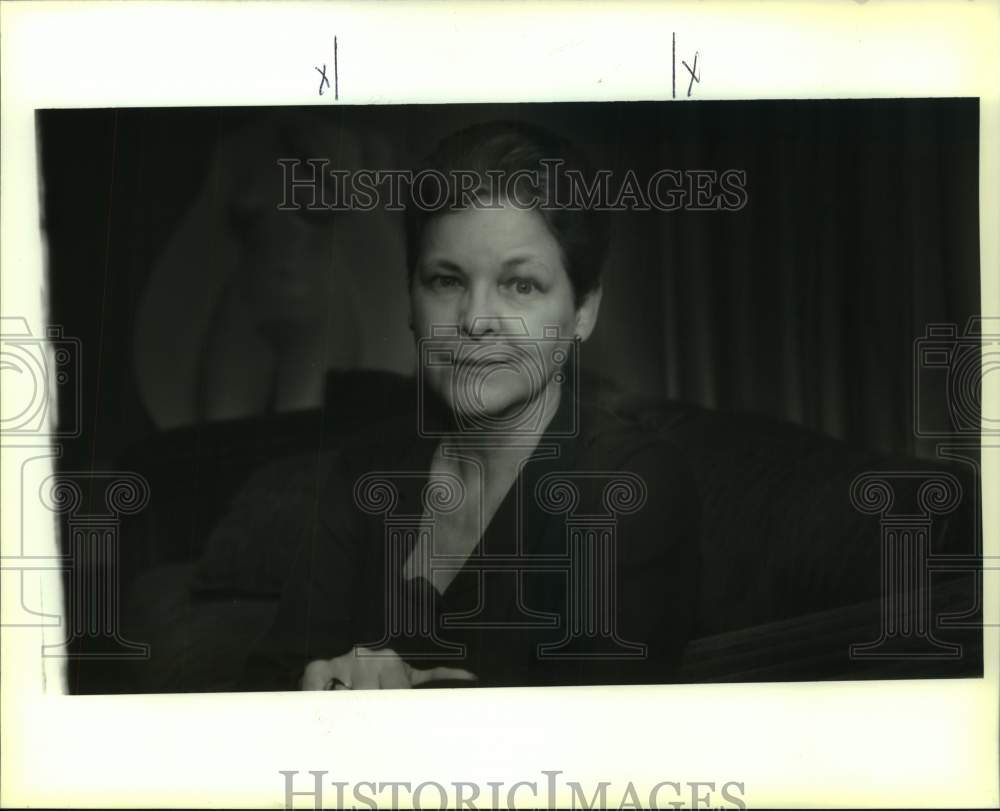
{"x": 502, "y": 236}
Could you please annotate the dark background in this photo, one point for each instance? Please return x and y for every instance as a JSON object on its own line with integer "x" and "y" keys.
{"x": 861, "y": 228}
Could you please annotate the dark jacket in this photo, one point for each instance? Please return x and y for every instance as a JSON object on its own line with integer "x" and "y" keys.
{"x": 587, "y": 574}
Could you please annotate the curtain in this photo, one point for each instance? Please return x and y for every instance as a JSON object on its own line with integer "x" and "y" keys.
{"x": 860, "y": 230}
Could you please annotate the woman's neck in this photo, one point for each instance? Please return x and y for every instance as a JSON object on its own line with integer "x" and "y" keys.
{"x": 499, "y": 456}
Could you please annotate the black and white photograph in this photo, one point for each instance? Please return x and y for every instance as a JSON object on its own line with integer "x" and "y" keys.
{"x": 522, "y": 395}
{"x": 499, "y": 404}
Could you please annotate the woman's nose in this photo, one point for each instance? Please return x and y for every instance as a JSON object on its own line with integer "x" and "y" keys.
{"x": 480, "y": 315}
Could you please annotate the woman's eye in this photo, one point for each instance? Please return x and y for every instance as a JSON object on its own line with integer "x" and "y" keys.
{"x": 523, "y": 287}
{"x": 444, "y": 282}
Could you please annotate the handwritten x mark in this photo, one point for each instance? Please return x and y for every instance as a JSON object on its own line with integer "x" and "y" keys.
{"x": 695, "y": 73}
{"x": 324, "y": 81}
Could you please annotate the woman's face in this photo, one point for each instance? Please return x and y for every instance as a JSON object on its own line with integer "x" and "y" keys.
{"x": 491, "y": 293}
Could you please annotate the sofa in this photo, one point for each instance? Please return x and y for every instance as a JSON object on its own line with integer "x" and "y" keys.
{"x": 792, "y": 570}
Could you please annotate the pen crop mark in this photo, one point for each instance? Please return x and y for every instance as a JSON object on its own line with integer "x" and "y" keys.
{"x": 324, "y": 80}
{"x": 673, "y": 65}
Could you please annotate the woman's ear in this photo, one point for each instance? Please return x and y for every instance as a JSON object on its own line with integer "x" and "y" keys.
{"x": 586, "y": 313}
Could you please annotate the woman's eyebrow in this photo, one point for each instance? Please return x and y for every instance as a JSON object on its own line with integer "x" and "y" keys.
{"x": 514, "y": 262}
{"x": 440, "y": 263}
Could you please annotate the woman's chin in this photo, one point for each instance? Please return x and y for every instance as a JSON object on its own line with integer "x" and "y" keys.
{"x": 497, "y": 410}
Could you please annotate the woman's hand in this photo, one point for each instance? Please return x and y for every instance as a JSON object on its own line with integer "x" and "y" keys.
{"x": 367, "y": 669}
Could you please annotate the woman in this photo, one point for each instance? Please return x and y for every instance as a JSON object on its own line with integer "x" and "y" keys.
{"x": 509, "y": 532}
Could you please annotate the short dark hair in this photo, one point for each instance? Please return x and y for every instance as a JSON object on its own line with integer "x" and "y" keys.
{"x": 513, "y": 150}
